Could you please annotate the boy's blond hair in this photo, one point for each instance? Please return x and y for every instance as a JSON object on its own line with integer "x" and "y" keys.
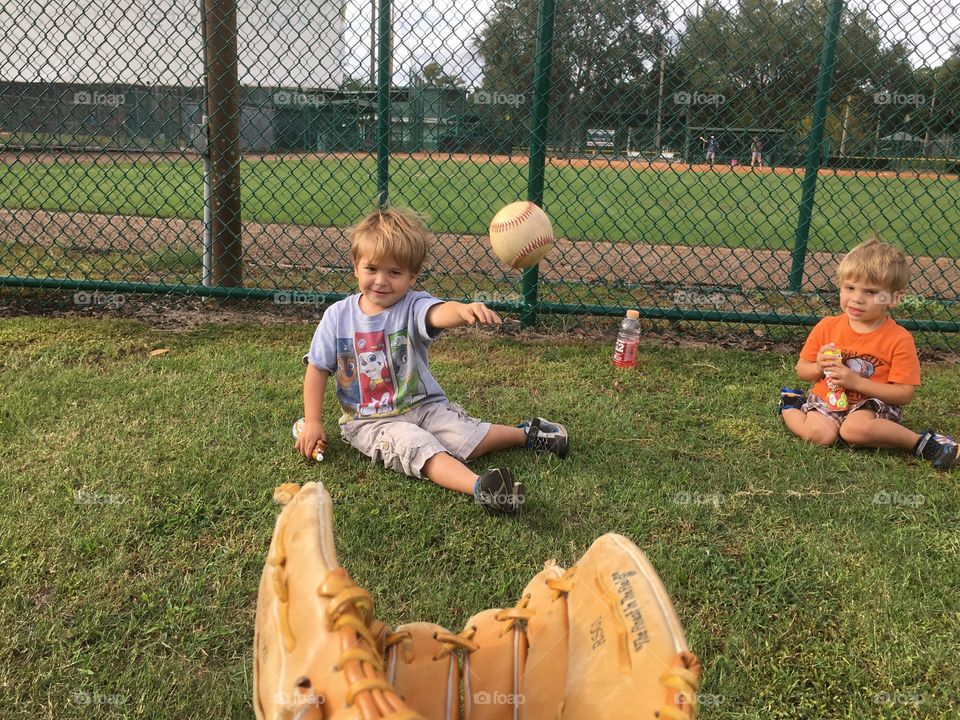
{"x": 392, "y": 232}
{"x": 876, "y": 262}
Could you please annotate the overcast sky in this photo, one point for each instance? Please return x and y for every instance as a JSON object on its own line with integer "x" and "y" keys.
{"x": 314, "y": 43}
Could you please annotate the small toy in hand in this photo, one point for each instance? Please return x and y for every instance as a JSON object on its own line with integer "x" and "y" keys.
{"x": 320, "y": 447}
{"x": 837, "y": 397}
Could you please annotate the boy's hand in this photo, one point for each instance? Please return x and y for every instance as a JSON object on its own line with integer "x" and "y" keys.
{"x": 842, "y": 374}
{"x": 825, "y": 360}
{"x": 477, "y": 312}
{"x": 311, "y": 434}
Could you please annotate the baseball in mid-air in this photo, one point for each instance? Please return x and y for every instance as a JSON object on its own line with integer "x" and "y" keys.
{"x": 521, "y": 234}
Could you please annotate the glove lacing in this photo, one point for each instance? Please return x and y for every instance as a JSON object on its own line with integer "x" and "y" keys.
{"x": 344, "y": 595}
{"x": 683, "y": 704}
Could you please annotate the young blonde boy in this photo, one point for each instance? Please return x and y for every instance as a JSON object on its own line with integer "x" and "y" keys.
{"x": 375, "y": 345}
{"x": 879, "y": 368}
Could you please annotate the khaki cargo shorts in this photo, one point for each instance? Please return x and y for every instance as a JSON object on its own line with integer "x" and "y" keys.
{"x": 405, "y": 442}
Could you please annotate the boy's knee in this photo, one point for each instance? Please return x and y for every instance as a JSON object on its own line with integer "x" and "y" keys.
{"x": 820, "y": 436}
{"x": 817, "y": 433}
{"x": 856, "y": 433}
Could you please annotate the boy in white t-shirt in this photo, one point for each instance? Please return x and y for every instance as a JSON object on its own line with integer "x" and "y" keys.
{"x": 375, "y": 344}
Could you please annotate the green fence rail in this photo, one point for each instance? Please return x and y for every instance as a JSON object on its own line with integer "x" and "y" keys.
{"x": 700, "y": 161}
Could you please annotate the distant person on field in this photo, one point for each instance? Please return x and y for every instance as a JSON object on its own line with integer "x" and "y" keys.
{"x": 879, "y": 370}
{"x": 710, "y": 145}
{"x": 374, "y": 344}
{"x": 756, "y": 150}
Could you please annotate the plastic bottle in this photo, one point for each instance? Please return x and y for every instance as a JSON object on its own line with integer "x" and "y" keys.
{"x": 628, "y": 338}
{"x": 837, "y": 397}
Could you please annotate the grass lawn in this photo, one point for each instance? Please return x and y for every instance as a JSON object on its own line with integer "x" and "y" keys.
{"x": 680, "y": 207}
{"x": 135, "y": 515}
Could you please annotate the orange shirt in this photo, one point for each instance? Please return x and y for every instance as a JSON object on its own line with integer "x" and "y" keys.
{"x": 885, "y": 355}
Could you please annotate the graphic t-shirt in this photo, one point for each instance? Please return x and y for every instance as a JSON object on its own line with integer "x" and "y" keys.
{"x": 379, "y": 361}
{"x": 885, "y": 355}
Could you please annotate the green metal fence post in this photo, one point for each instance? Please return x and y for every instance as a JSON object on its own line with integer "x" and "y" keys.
{"x": 538, "y": 141}
{"x": 814, "y": 149}
{"x": 384, "y": 61}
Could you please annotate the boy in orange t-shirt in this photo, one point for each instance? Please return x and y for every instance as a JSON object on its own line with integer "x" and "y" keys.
{"x": 878, "y": 370}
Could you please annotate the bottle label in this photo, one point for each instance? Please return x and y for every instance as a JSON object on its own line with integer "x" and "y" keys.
{"x": 625, "y": 353}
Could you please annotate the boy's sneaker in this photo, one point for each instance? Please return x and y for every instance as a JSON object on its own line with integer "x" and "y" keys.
{"x": 941, "y": 450}
{"x": 790, "y": 399}
{"x": 497, "y": 492}
{"x": 545, "y": 436}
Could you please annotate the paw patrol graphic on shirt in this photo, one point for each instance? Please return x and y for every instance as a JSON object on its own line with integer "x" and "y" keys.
{"x": 409, "y": 388}
{"x": 377, "y": 389}
{"x": 348, "y": 384}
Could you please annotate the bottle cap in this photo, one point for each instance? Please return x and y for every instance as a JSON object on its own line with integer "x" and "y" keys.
{"x": 633, "y": 314}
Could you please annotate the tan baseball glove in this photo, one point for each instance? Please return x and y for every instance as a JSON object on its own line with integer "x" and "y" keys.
{"x": 600, "y": 640}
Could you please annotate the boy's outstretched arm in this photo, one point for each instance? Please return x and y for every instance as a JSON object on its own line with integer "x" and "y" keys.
{"x": 314, "y": 388}
{"x": 456, "y": 314}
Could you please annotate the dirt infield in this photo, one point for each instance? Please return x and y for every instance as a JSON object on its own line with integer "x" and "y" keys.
{"x": 596, "y": 162}
{"x": 288, "y": 246}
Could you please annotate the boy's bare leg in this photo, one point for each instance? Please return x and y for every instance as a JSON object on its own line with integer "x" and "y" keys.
{"x": 446, "y": 471}
{"x": 864, "y": 428}
{"x": 499, "y": 437}
{"x": 811, "y": 426}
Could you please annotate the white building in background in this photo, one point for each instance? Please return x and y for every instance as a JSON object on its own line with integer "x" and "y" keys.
{"x": 281, "y": 43}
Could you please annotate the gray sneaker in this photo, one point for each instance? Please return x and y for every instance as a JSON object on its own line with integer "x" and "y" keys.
{"x": 941, "y": 450}
{"x": 497, "y": 492}
{"x": 545, "y": 436}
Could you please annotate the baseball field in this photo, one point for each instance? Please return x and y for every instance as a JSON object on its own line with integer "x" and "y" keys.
{"x": 592, "y": 200}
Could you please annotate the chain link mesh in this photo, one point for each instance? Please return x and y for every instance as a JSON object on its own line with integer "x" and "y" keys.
{"x": 705, "y": 161}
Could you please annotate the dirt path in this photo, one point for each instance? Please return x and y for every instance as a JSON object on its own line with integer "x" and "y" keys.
{"x": 310, "y": 247}
{"x": 596, "y": 161}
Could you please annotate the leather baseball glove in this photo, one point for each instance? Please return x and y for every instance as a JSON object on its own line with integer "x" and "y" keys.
{"x": 600, "y": 640}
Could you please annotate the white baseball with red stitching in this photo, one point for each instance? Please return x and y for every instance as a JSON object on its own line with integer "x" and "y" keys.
{"x": 521, "y": 234}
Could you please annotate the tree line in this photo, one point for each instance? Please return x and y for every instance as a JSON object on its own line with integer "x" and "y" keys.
{"x": 751, "y": 65}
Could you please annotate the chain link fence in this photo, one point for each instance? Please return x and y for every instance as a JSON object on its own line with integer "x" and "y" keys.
{"x": 701, "y": 161}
